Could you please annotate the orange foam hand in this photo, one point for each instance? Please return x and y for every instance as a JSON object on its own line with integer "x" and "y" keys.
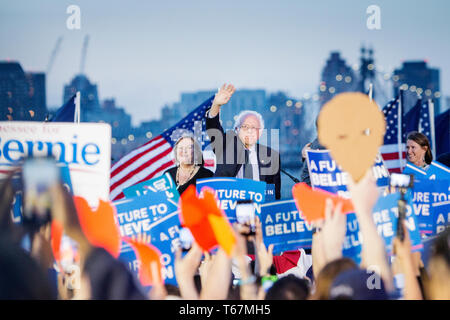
{"x": 206, "y": 221}
{"x": 312, "y": 202}
{"x": 56, "y": 236}
{"x": 149, "y": 262}
{"x": 99, "y": 226}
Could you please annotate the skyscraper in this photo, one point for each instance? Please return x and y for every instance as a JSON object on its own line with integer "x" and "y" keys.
{"x": 36, "y": 94}
{"x": 337, "y": 77}
{"x": 415, "y": 77}
{"x": 22, "y": 95}
{"x": 89, "y": 97}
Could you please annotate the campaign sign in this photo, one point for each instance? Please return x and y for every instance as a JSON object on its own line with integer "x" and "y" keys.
{"x": 155, "y": 215}
{"x": 137, "y": 215}
{"x": 441, "y": 214}
{"x": 351, "y": 248}
{"x": 424, "y": 194}
{"x": 326, "y": 174}
{"x": 270, "y": 193}
{"x": 284, "y": 227}
{"x": 435, "y": 171}
{"x": 164, "y": 235}
{"x": 84, "y": 147}
{"x": 163, "y": 183}
{"x": 438, "y": 171}
{"x": 385, "y": 216}
{"x": 230, "y": 190}
{"x": 418, "y": 173}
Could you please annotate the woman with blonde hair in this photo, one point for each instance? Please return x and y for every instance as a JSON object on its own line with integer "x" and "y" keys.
{"x": 189, "y": 163}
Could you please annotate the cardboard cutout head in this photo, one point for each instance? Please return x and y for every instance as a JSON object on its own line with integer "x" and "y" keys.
{"x": 352, "y": 127}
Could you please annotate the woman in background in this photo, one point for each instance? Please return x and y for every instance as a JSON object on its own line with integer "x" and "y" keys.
{"x": 418, "y": 150}
{"x": 189, "y": 163}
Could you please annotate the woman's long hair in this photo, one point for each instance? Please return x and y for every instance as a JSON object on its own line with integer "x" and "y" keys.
{"x": 422, "y": 141}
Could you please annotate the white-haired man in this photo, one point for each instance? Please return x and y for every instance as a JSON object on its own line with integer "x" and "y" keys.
{"x": 238, "y": 153}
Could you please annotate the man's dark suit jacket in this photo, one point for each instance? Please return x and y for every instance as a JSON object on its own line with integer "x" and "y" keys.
{"x": 229, "y": 159}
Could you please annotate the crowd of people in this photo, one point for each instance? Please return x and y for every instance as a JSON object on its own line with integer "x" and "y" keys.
{"x": 28, "y": 269}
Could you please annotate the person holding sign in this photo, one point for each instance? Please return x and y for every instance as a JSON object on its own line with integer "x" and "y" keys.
{"x": 418, "y": 150}
{"x": 238, "y": 153}
{"x": 189, "y": 163}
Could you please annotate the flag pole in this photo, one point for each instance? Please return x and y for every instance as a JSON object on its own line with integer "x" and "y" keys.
{"x": 400, "y": 129}
{"x": 432, "y": 132}
{"x": 77, "y": 108}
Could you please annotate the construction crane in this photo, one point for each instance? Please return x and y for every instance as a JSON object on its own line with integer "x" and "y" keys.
{"x": 83, "y": 53}
{"x": 53, "y": 55}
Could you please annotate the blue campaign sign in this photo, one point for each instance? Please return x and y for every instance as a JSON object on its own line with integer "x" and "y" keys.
{"x": 164, "y": 233}
{"x": 385, "y": 216}
{"x": 163, "y": 183}
{"x": 326, "y": 174}
{"x": 438, "y": 171}
{"x": 441, "y": 214}
{"x": 136, "y": 215}
{"x": 270, "y": 193}
{"x": 418, "y": 173}
{"x": 351, "y": 247}
{"x": 435, "y": 171}
{"x": 284, "y": 227}
{"x": 230, "y": 190}
{"x": 424, "y": 194}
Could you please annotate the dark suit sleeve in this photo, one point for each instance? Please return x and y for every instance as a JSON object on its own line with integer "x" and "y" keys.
{"x": 277, "y": 180}
{"x": 218, "y": 140}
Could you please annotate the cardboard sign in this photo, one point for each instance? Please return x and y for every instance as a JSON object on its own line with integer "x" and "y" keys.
{"x": 352, "y": 127}
{"x": 326, "y": 174}
{"x": 163, "y": 183}
{"x": 385, "y": 216}
{"x": 208, "y": 224}
{"x": 99, "y": 226}
{"x": 312, "y": 203}
{"x": 85, "y": 148}
{"x": 229, "y": 190}
{"x": 284, "y": 227}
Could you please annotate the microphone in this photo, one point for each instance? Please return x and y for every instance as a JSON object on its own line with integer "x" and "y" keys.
{"x": 290, "y": 176}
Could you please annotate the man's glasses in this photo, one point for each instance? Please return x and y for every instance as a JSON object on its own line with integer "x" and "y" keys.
{"x": 249, "y": 128}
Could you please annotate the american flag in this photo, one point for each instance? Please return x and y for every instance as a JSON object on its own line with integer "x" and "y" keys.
{"x": 155, "y": 156}
{"x": 393, "y": 150}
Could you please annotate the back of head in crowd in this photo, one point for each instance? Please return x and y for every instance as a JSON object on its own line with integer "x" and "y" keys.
{"x": 358, "y": 284}
{"x": 21, "y": 277}
{"x": 289, "y": 287}
{"x": 327, "y": 275}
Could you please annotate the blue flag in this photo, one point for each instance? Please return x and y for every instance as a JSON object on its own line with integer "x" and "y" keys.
{"x": 67, "y": 112}
{"x": 442, "y": 128}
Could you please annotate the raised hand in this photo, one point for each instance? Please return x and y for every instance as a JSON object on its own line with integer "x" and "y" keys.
{"x": 222, "y": 97}
{"x": 224, "y": 94}
{"x": 333, "y": 231}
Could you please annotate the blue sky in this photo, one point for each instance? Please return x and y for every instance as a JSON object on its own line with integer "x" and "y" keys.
{"x": 145, "y": 53}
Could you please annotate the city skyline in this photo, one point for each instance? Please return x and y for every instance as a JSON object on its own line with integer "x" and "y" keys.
{"x": 161, "y": 50}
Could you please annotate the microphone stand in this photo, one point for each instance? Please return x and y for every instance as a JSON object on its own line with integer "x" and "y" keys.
{"x": 290, "y": 176}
